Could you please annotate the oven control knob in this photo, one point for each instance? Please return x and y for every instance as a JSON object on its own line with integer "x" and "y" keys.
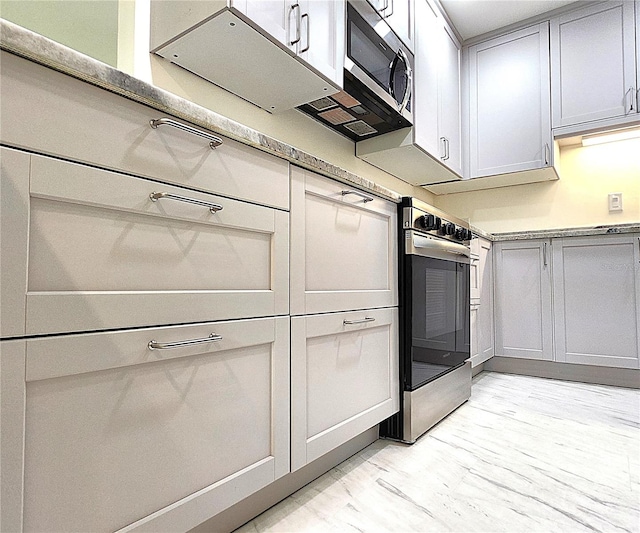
{"x": 449, "y": 228}
{"x": 460, "y": 234}
{"x": 429, "y": 222}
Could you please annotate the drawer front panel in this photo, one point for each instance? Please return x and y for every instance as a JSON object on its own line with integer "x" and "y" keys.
{"x": 152, "y": 427}
{"x": 343, "y": 252}
{"x": 98, "y": 242}
{"x": 97, "y": 127}
{"x": 344, "y": 369}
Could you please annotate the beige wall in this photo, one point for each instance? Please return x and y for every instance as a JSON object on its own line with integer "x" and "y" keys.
{"x": 579, "y": 198}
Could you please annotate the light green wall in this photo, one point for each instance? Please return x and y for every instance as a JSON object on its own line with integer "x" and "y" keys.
{"x": 89, "y": 26}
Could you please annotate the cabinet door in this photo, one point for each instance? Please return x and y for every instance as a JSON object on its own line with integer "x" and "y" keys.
{"x": 485, "y": 312}
{"x": 425, "y": 82}
{"x": 322, "y": 41}
{"x": 120, "y": 435}
{"x": 14, "y": 228}
{"x": 474, "y": 350}
{"x": 103, "y": 255}
{"x": 343, "y": 247}
{"x": 275, "y": 17}
{"x": 593, "y": 63}
{"x": 344, "y": 378}
{"x": 449, "y": 100}
{"x": 399, "y": 15}
{"x": 597, "y": 300}
{"x": 523, "y": 299}
{"x": 103, "y": 129}
{"x": 12, "y": 391}
{"x": 510, "y": 124}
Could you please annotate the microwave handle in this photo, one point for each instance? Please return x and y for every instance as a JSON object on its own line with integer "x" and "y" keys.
{"x": 409, "y": 73}
{"x": 401, "y": 56}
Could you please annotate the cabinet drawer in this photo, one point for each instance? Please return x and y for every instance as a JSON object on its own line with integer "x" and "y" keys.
{"x": 343, "y": 249}
{"x": 103, "y": 255}
{"x": 344, "y": 378}
{"x": 120, "y": 435}
{"x": 94, "y": 126}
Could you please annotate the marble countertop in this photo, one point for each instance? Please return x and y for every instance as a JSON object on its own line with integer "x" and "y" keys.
{"x": 25, "y": 43}
{"x": 566, "y": 232}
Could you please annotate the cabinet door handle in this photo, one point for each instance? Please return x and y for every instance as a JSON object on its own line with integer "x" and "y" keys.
{"x": 544, "y": 254}
{"x": 629, "y": 100}
{"x": 306, "y": 15}
{"x": 387, "y": 15}
{"x": 547, "y": 154}
{"x": 155, "y": 345}
{"x": 155, "y": 196}
{"x": 361, "y": 321}
{"x": 298, "y": 23}
{"x": 164, "y": 121}
{"x": 386, "y": 6}
{"x": 358, "y": 193}
{"x": 448, "y": 148}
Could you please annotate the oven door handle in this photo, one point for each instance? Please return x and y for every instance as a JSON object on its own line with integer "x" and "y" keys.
{"x": 427, "y": 246}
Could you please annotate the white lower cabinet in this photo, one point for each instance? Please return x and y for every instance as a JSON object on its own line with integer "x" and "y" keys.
{"x": 343, "y": 247}
{"x": 570, "y": 300}
{"x": 523, "y": 313}
{"x": 482, "y": 302}
{"x": 103, "y": 255}
{"x": 596, "y": 290}
{"x": 344, "y": 378}
{"x": 118, "y": 435}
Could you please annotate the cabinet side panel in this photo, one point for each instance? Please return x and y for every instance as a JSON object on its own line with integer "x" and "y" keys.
{"x": 14, "y": 227}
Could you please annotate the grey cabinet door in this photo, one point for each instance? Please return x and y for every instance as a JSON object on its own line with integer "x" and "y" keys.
{"x": 593, "y": 68}
{"x": 596, "y": 292}
{"x": 523, "y": 299}
{"x": 485, "y": 313}
{"x": 509, "y": 103}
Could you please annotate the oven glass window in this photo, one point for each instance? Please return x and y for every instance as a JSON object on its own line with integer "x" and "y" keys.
{"x": 439, "y": 318}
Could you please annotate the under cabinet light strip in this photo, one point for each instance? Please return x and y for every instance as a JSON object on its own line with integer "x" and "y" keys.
{"x": 612, "y": 136}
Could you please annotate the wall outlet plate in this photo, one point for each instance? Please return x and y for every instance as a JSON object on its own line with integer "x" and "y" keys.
{"x": 615, "y": 202}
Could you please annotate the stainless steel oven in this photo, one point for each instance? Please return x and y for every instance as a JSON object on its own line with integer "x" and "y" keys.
{"x": 435, "y": 374}
{"x": 377, "y": 79}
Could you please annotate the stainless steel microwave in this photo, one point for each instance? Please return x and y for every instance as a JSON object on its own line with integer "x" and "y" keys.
{"x": 377, "y": 79}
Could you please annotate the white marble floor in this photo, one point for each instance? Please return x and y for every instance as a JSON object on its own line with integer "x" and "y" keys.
{"x": 524, "y": 454}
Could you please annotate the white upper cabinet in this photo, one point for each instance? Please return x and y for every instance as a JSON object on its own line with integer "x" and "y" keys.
{"x": 425, "y": 79}
{"x": 399, "y": 15}
{"x": 437, "y": 88}
{"x": 449, "y": 100}
{"x": 260, "y": 50}
{"x": 322, "y": 41}
{"x": 276, "y": 17}
{"x": 430, "y": 151}
{"x": 509, "y": 103}
{"x": 594, "y": 68}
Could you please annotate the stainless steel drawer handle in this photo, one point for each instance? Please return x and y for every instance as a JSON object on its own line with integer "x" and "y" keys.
{"x": 155, "y": 196}
{"x": 358, "y": 193}
{"x": 361, "y": 321}
{"x": 155, "y": 345}
{"x": 213, "y": 140}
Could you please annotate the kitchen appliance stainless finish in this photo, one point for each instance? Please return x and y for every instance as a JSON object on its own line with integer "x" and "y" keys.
{"x": 377, "y": 79}
{"x": 435, "y": 371}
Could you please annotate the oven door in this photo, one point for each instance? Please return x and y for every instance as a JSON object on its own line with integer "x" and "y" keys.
{"x": 437, "y": 333}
